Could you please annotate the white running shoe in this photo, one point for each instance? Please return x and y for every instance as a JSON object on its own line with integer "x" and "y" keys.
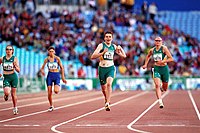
{"x": 15, "y": 111}
{"x": 51, "y": 109}
{"x": 161, "y": 105}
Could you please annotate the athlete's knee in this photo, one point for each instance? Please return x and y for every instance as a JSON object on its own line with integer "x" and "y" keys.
{"x": 7, "y": 90}
{"x": 165, "y": 87}
{"x": 56, "y": 91}
{"x": 157, "y": 85}
{"x": 109, "y": 84}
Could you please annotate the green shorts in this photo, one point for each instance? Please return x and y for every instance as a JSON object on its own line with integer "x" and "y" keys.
{"x": 161, "y": 72}
{"x": 10, "y": 80}
{"x": 105, "y": 72}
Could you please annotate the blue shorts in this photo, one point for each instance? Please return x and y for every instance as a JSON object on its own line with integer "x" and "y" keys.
{"x": 53, "y": 77}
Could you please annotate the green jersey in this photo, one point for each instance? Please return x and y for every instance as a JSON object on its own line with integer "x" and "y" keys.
{"x": 158, "y": 54}
{"x": 109, "y": 55}
{"x": 8, "y": 64}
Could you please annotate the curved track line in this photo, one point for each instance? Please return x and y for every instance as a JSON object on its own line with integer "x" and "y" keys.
{"x": 141, "y": 115}
{"x": 53, "y": 128}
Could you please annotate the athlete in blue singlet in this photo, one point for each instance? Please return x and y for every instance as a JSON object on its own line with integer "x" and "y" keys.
{"x": 53, "y": 63}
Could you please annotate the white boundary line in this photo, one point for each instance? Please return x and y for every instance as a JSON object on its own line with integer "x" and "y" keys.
{"x": 34, "y": 98}
{"x": 21, "y": 125}
{"x": 143, "y": 113}
{"x": 65, "y": 106}
{"x": 53, "y": 128}
{"x": 56, "y": 100}
{"x": 194, "y": 104}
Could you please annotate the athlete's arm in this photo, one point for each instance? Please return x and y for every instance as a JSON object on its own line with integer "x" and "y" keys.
{"x": 42, "y": 68}
{"x": 62, "y": 69}
{"x": 16, "y": 65}
{"x": 169, "y": 56}
{"x": 1, "y": 60}
{"x": 120, "y": 51}
{"x": 97, "y": 53}
{"x": 147, "y": 58}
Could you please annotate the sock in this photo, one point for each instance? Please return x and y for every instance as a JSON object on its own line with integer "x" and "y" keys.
{"x": 160, "y": 100}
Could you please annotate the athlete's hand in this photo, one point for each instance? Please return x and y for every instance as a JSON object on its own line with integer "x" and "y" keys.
{"x": 42, "y": 72}
{"x": 64, "y": 81}
{"x": 118, "y": 49}
{"x": 144, "y": 66}
{"x": 105, "y": 50}
{"x": 0, "y": 75}
{"x": 15, "y": 65}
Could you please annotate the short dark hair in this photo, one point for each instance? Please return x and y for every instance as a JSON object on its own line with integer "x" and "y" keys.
{"x": 51, "y": 47}
{"x": 108, "y": 32}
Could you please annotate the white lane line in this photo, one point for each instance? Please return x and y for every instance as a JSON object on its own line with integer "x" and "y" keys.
{"x": 65, "y": 106}
{"x": 163, "y": 125}
{"x": 26, "y": 99}
{"x": 98, "y": 125}
{"x": 141, "y": 115}
{"x": 53, "y": 128}
{"x": 194, "y": 104}
{"x": 56, "y": 100}
{"x": 21, "y": 125}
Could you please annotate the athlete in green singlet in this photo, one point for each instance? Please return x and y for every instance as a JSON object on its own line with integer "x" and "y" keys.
{"x": 161, "y": 57}
{"x": 105, "y": 51}
{"x": 10, "y": 65}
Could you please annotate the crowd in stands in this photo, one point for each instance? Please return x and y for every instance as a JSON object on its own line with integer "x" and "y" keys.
{"x": 76, "y": 34}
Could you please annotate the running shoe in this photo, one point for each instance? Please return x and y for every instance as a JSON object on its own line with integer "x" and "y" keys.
{"x": 161, "y": 105}
{"x": 5, "y": 98}
{"x": 107, "y": 107}
{"x": 15, "y": 111}
{"x": 51, "y": 109}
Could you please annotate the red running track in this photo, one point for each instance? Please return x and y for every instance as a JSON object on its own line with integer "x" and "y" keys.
{"x": 83, "y": 112}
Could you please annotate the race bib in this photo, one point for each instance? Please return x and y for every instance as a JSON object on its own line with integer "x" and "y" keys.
{"x": 108, "y": 55}
{"x": 8, "y": 66}
{"x": 157, "y": 57}
{"x": 52, "y": 65}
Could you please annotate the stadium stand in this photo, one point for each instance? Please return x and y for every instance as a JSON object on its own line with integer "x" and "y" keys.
{"x": 76, "y": 33}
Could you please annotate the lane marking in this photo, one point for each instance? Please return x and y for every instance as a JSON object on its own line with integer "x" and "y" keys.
{"x": 35, "y": 98}
{"x": 53, "y": 128}
{"x": 65, "y": 106}
{"x": 194, "y": 104}
{"x": 21, "y": 125}
{"x": 56, "y": 100}
{"x": 163, "y": 125}
{"x": 142, "y": 114}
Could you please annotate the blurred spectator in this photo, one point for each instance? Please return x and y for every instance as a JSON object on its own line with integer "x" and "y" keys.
{"x": 30, "y": 6}
{"x": 71, "y": 71}
{"x": 81, "y": 73}
{"x": 153, "y": 10}
{"x": 144, "y": 10}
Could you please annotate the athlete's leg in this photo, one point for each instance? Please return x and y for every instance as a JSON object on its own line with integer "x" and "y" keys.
{"x": 56, "y": 88}
{"x": 50, "y": 95}
{"x": 104, "y": 91}
{"x": 109, "y": 88}
{"x": 6, "y": 91}
{"x": 165, "y": 86}
{"x": 14, "y": 96}
{"x": 157, "y": 86}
